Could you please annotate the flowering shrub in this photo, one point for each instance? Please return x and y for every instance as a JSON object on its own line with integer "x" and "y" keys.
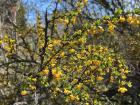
{"x": 69, "y": 61}
{"x": 77, "y": 71}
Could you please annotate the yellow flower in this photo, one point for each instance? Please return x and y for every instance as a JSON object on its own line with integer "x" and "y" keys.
{"x": 78, "y": 55}
{"x": 56, "y": 42}
{"x": 110, "y": 59}
{"x": 133, "y": 20}
{"x": 85, "y": 2}
{"x": 72, "y": 50}
{"x": 105, "y": 49}
{"x": 54, "y": 71}
{"x": 82, "y": 40}
{"x": 96, "y": 62}
{"x": 120, "y": 65}
{"x": 57, "y": 75}
{"x": 72, "y": 98}
{"x": 50, "y": 46}
{"x": 74, "y": 81}
{"x": 89, "y": 62}
{"x": 99, "y": 78}
{"x": 78, "y": 32}
{"x": 6, "y": 37}
{"x": 12, "y": 41}
{"x": 32, "y": 87}
{"x": 45, "y": 72}
{"x": 79, "y": 10}
{"x": 87, "y": 104}
{"x": 111, "y": 27}
{"x": 122, "y": 90}
{"x": 126, "y": 71}
{"x": 7, "y": 48}
{"x": 67, "y": 91}
{"x": 122, "y": 70}
{"x": 79, "y": 86}
{"x": 89, "y": 48}
{"x": 123, "y": 82}
{"x": 24, "y": 92}
{"x": 62, "y": 54}
{"x": 111, "y": 79}
{"x": 34, "y": 79}
{"x": 124, "y": 77}
{"x": 66, "y": 21}
{"x": 0, "y": 42}
{"x": 87, "y": 72}
{"x": 60, "y": 20}
{"x": 130, "y": 19}
{"x": 73, "y": 20}
{"x": 29, "y": 78}
{"x": 138, "y": 22}
{"x": 122, "y": 19}
{"x": 52, "y": 64}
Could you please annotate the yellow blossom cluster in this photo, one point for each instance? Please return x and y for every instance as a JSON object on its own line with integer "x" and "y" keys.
{"x": 8, "y": 44}
{"x": 122, "y": 90}
{"x": 67, "y": 91}
{"x": 45, "y": 72}
{"x": 73, "y": 98}
{"x": 122, "y": 19}
{"x": 133, "y": 20}
{"x": 24, "y": 92}
{"x": 57, "y": 74}
{"x": 111, "y": 27}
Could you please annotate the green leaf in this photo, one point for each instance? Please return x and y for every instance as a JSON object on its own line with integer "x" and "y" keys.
{"x": 137, "y": 11}
{"x": 129, "y": 84}
{"x": 98, "y": 22}
{"x": 118, "y": 12}
{"x": 106, "y": 17}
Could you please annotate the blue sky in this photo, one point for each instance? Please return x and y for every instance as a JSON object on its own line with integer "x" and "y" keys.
{"x": 37, "y": 5}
